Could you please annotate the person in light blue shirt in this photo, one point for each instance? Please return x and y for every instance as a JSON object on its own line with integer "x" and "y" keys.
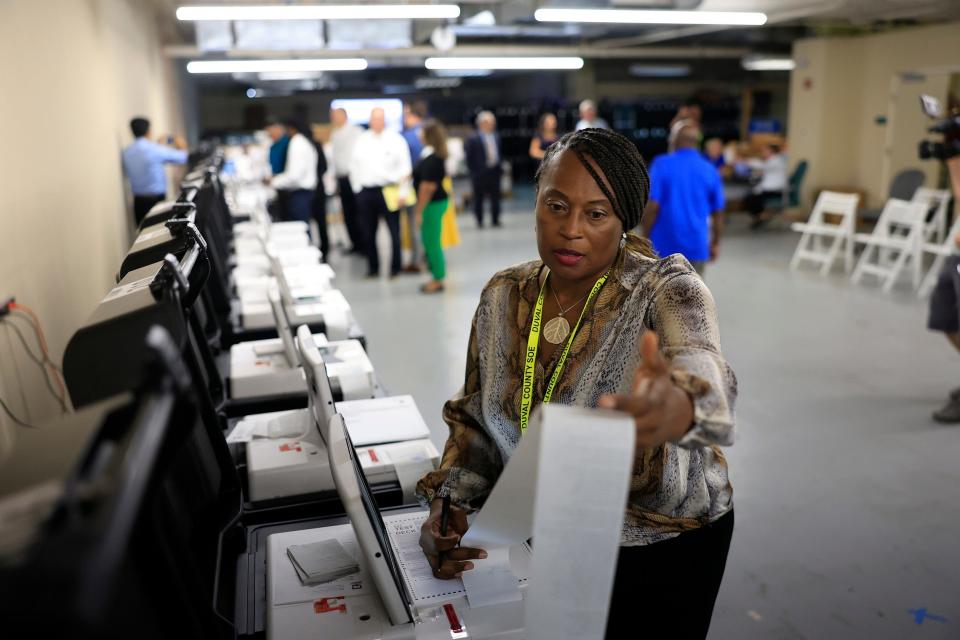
{"x": 686, "y": 196}
{"x": 143, "y": 163}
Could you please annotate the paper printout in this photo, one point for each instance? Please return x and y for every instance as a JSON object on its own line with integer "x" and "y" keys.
{"x": 491, "y": 581}
{"x": 586, "y": 461}
{"x": 507, "y": 516}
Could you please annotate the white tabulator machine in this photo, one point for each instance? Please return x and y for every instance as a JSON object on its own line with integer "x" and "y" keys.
{"x": 271, "y": 367}
{"x": 287, "y": 455}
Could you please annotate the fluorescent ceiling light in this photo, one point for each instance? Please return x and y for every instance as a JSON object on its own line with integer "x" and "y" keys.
{"x": 504, "y": 63}
{"x": 289, "y": 75}
{"x": 660, "y": 70}
{"x": 267, "y": 66}
{"x": 320, "y": 12}
{"x": 760, "y": 63}
{"x": 645, "y": 16}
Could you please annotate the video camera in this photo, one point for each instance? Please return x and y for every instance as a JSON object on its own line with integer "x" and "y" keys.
{"x": 949, "y": 126}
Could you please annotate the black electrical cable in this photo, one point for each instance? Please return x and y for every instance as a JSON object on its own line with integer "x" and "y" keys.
{"x": 17, "y": 420}
{"x": 40, "y": 363}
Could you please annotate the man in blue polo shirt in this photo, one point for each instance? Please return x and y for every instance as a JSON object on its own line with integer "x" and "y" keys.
{"x": 143, "y": 163}
{"x": 686, "y": 195}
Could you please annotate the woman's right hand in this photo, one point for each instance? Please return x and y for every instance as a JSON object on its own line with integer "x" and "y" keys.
{"x": 456, "y": 560}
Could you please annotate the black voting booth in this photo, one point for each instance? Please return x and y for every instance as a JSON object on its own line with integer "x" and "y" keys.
{"x": 105, "y": 358}
{"x": 164, "y": 230}
{"x": 202, "y": 201}
{"x": 129, "y": 544}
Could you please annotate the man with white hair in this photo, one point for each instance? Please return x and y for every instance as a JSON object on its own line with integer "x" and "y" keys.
{"x": 589, "y": 118}
{"x": 483, "y": 161}
{"x": 380, "y": 161}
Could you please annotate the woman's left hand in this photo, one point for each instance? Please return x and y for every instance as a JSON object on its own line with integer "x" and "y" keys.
{"x": 662, "y": 411}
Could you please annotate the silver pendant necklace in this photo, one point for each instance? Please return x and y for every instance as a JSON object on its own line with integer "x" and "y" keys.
{"x": 557, "y": 329}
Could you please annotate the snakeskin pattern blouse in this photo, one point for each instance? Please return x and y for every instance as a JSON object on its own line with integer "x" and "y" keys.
{"x": 675, "y": 487}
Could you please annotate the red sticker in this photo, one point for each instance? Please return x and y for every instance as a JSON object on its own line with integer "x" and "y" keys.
{"x": 326, "y": 605}
{"x": 373, "y": 455}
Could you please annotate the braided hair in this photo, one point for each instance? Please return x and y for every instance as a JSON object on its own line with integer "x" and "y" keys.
{"x": 621, "y": 164}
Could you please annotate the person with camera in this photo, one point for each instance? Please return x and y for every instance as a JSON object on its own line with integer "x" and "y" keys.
{"x": 945, "y": 303}
{"x": 945, "y": 300}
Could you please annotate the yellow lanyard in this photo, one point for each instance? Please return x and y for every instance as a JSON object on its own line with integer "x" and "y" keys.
{"x": 533, "y": 345}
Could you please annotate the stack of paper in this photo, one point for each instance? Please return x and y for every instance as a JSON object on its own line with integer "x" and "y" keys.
{"x": 321, "y": 562}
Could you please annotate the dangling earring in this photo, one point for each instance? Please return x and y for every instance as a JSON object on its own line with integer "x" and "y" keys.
{"x": 623, "y": 240}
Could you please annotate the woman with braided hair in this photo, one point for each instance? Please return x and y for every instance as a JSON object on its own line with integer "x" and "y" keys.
{"x": 604, "y": 290}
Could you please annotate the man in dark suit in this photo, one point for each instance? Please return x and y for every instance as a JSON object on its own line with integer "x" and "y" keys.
{"x": 483, "y": 161}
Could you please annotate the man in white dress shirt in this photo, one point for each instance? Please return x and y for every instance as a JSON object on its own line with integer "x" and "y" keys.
{"x": 342, "y": 143}
{"x": 299, "y": 176}
{"x": 381, "y": 158}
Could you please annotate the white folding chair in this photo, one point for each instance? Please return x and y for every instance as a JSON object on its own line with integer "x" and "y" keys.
{"x": 817, "y": 229}
{"x": 939, "y": 251}
{"x": 894, "y": 243}
{"x": 938, "y": 200}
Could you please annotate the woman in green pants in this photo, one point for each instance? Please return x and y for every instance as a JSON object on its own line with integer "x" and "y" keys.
{"x": 432, "y": 199}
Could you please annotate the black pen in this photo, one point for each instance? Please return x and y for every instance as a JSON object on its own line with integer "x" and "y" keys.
{"x": 444, "y": 520}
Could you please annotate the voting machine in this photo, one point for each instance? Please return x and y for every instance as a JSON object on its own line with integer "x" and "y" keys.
{"x": 393, "y": 595}
{"x": 272, "y": 367}
{"x": 285, "y": 452}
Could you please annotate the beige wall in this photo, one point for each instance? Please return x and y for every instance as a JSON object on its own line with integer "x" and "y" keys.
{"x": 841, "y": 86}
{"x": 73, "y": 73}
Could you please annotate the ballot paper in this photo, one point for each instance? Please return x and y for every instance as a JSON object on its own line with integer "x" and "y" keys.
{"x": 404, "y": 533}
{"x": 566, "y": 486}
{"x": 381, "y": 420}
{"x": 320, "y": 562}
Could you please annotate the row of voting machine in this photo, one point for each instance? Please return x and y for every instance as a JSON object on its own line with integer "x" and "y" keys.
{"x": 551, "y": 528}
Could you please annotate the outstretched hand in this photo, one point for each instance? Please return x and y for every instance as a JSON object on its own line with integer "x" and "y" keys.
{"x": 662, "y": 411}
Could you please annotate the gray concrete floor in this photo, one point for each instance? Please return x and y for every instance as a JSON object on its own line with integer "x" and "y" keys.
{"x": 847, "y": 494}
